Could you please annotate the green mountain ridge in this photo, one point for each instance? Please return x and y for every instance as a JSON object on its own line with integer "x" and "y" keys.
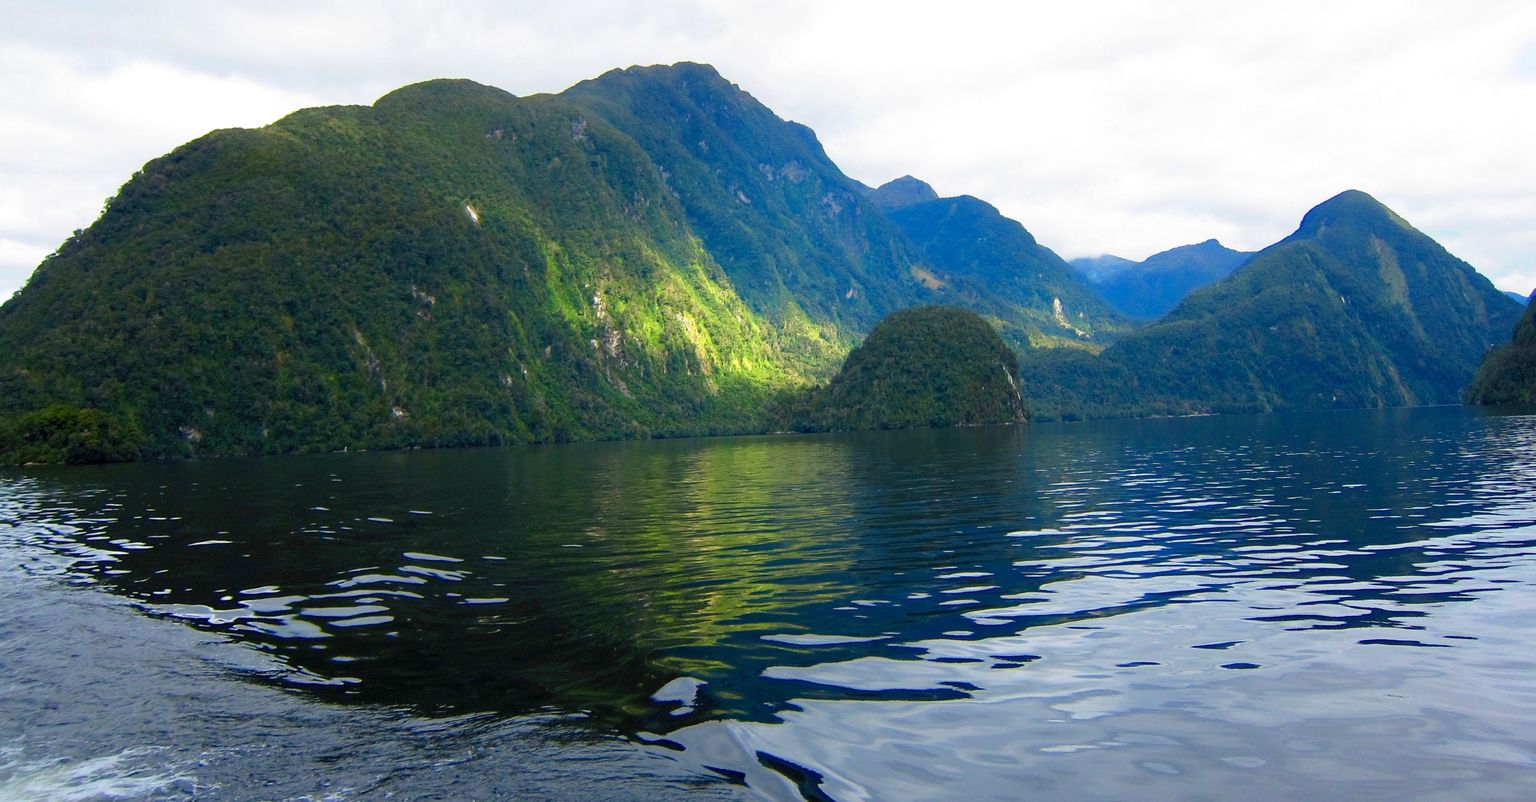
{"x": 652, "y": 252}
{"x": 979, "y": 259}
{"x": 1355, "y": 309}
{"x": 1098, "y": 268}
{"x": 450, "y": 266}
{"x": 789, "y": 229}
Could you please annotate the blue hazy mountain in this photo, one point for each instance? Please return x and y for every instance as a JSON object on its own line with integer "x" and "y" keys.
{"x": 1152, "y": 287}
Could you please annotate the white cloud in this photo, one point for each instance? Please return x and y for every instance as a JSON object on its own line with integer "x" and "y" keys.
{"x": 1134, "y": 127}
{"x": 77, "y": 130}
{"x": 1124, "y": 127}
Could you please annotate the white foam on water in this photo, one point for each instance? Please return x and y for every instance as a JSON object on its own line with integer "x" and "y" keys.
{"x": 820, "y": 640}
{"x": 421, "y": 555}
{"x": 119, "y": 776}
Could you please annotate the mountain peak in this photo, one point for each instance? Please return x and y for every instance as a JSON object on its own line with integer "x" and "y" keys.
{"x": 441, "y": 92}
{"x": 1351, "y": 208}
{"x": 902, "y": 192}
{"x": 680, "y": 69}
{"x": 688, "y": 75}
{"x": 1150, "y": 288}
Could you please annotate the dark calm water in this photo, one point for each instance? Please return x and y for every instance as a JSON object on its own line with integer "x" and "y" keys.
{"x": 1334, "y": 606}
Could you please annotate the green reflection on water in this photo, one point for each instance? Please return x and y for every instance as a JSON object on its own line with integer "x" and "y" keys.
{"x": 584, "y": 577}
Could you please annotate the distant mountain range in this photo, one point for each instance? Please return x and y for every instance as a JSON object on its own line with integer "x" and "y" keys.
{"x": 1152, "y": 287}
{"x": 1355, "y": 309}
{"x": 652, "y": 252}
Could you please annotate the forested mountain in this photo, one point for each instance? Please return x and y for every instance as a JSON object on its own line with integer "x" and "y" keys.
{"x": 979, "y": 259}
{"x": 449, "y": 266}
{"x": 1508, "y": 374}
{"x": 1518, "y": 298}
{"x": 1355, "y": 309}
{"x": 796, "y": 237}
{"x": 1152, "y": 287}
{"x": 650, "y": 252}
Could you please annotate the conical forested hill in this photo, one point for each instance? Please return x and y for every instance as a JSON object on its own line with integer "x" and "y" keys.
{"x": 931, "y": 366}
{"x": 1355, "y": 309}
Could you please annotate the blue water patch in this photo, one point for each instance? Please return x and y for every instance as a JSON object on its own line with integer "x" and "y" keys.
{"x": 1320, "y": 606}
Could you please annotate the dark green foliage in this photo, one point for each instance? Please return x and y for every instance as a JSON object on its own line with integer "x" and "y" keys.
{"x": 1356, "y": 309}
{"x": 796, "y": 237}
{"x": 1071, "y": 384}
{"x": 322, "y": 284}
{"x": 1508, "y": 374}
{"x": 1151, "y": 288}
{"x": 60, "y": 434}
{"x": 652, "y": 253}
{"x": 932, "y": 366}
{"x": 981, "y": 260}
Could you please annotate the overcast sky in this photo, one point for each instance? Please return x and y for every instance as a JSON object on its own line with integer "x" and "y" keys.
{"x": 1104, "y": 127}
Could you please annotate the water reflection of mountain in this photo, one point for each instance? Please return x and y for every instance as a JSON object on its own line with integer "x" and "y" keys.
{"x": 888, "y": 567}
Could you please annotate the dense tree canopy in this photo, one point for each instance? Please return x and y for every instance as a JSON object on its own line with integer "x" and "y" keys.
{"x": 1508, "y": 374}
{"x": 931, "y": 366}
{"x": 650, "y": 253}
{"x": 1355, "y": 309}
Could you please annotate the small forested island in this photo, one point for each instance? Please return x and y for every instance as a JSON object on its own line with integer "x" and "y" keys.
{"x": 654, "y": 253}
{"x": 932, "y": 366}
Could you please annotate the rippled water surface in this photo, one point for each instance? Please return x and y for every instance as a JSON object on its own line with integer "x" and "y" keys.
{"x": 1333, "y": 606}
